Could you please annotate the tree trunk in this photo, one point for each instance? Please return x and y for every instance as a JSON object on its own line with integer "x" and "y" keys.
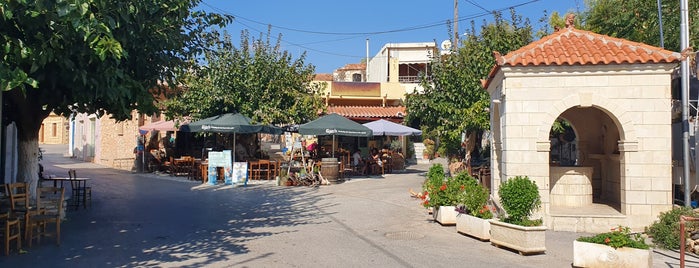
{"x": 469, "y": 144}
{"x": 28, "y": 164}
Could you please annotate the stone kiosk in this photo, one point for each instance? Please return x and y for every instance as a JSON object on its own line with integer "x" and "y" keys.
{"x": 616, "y": 96}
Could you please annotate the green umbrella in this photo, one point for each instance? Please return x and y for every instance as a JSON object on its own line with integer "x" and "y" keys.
{"x": 334, "y": 124}
{"x": 229, "y": 123}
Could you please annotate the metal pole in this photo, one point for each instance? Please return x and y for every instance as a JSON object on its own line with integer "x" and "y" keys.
{"x": 684, "y": 44}
{"x": 660, "y": 24}
{"x": 456, "y": 23}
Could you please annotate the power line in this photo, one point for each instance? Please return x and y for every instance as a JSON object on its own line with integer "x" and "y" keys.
{"x": 353, "y": 34}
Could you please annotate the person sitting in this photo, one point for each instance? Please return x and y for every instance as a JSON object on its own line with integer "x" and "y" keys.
{"x": 358, "y": 162}
{"x": 376, "y": 163}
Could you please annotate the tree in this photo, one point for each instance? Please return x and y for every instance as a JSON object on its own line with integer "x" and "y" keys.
{"x": 637, "y": 20}
{"x": 454, "y": 101}
{"x": 258, "y": 80}
{"x": 94, "y": 56}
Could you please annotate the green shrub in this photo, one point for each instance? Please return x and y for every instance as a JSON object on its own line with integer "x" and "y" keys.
{"x": 474, "y": 198}
{"x": 618, "y": 238}
{"x": 442, "y": 191}
{"x": 520, "y": 197}
{"x": 666, "y": 231}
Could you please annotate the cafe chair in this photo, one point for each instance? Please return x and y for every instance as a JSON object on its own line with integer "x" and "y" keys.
{"x": 11, "y": 230}
{"x": 19, "y": 201}
{"x": 49, "y": 203}
{"x": 81, "y": 193}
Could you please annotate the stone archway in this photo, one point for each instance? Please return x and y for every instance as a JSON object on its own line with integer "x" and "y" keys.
{"x": 597, "y": 177}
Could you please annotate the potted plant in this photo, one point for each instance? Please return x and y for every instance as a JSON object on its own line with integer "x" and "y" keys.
{"x": 473, "y": 212}
{"x": 519, "y": 197}
{"x": 441, "y": 194}
{"x": 617, "y": 248}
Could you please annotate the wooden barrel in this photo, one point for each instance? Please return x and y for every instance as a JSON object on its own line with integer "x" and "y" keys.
{"x": 330, "y": 169}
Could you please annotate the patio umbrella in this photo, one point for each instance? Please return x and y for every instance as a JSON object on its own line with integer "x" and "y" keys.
{"x": 229, "y": 123}
{"x": 334, "y": 124}
{"x": 388, "y": 128}
{"x": 161, "y": 125}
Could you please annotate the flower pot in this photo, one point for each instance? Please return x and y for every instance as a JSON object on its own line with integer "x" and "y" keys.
{"x": 526, "y": 240}
{"x": 597, "y": 255}
{"x": 445, "y": 215}
{"x": 473, "y": 226}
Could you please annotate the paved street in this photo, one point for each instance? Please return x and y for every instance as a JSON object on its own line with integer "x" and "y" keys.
{"x": 146, "y": 220}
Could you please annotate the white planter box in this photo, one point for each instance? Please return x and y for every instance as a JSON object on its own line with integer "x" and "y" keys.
{"x": 596, "y": 255}
{"x": 526, "y": 240}
{"x": 445, "y": 215}
{"x": 473, "y": 226}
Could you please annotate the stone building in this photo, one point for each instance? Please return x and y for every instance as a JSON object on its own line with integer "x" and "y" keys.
{"x": 616, "y": 95}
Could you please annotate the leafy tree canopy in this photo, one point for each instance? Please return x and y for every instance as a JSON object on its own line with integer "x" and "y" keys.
{"x": 454, "y": 101}
{"x": 94, "y": 56}
{"x": 257, "y": 79}
{"x": 637, "y": 20}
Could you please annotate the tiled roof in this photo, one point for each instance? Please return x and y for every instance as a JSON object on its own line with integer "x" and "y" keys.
{"x": 353, "y": 66}
{"x": 323, "y": 77}
{"x": 571, "y": 46}
{"x": 368, "y": 111}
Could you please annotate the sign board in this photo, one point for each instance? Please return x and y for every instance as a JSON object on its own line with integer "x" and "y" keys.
{"x": 240, "y": 172}
{"x": 220, "y": 159}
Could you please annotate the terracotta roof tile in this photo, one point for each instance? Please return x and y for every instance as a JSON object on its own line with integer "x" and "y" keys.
{"x": 368, "y": 111}
{"x": 571, "y": 46}
{"x": 323, "y": 77}
{"x": 353, "y": 66}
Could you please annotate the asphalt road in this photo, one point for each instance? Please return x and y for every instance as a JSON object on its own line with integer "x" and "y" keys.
{"x": 146, "y": 220}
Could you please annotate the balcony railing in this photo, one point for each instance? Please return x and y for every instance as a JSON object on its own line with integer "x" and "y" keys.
{"x": 408, "y": 79}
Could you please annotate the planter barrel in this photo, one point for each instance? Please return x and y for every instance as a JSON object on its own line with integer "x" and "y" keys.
{"x": 597, "y": 255}
{"x": 445, "y": 215}
{"x": 473, "y": 226}
{"x": 526, "y": 240}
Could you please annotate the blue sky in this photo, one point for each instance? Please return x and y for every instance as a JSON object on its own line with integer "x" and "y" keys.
{"x": 334, "y": 33}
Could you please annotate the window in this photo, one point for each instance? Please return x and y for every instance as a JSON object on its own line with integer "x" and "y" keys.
{"x": 54, "y": 128}
{"x": 357, "y": 78}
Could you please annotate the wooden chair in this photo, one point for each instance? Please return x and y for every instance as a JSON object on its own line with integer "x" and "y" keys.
{"x": 81, "y": 193}
{"x": 11, "y": 231}
{"x": 49, "y": 201}
{"x": 263, "y": 169}
{"x": 19, "y": 201}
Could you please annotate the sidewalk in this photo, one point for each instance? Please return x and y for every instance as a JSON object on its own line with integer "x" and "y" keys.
{"x": 139, "y": 220}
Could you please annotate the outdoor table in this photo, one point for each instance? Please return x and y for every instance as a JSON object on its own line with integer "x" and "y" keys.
{"x": 82, "y": 182}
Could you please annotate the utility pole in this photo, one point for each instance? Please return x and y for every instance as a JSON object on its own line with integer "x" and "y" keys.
{"x": 456, "y": 23}
{"x": 660, "y": 25}
{"x": 684, "y": 45}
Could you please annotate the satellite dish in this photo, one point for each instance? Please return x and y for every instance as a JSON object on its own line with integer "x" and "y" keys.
{"x": 446, "y": 45}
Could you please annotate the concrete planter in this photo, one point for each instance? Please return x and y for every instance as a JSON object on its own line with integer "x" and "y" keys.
{"x": 596, "y": 255}
{"x": 473, "y": 226}
{"x": 445, "y": 215}
{"x": 526, "y": 240}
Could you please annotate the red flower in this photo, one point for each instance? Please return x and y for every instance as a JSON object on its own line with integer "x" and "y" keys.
{"x": 462, "y": 187}
{"x": 443, "y": 187}
{"x": 607, "y": 240}
{"x": 427, "y": 202}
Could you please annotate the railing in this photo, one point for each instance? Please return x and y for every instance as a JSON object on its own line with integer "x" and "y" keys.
{"x": 409, "y": 79}
{"x": 684, "y": 218}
